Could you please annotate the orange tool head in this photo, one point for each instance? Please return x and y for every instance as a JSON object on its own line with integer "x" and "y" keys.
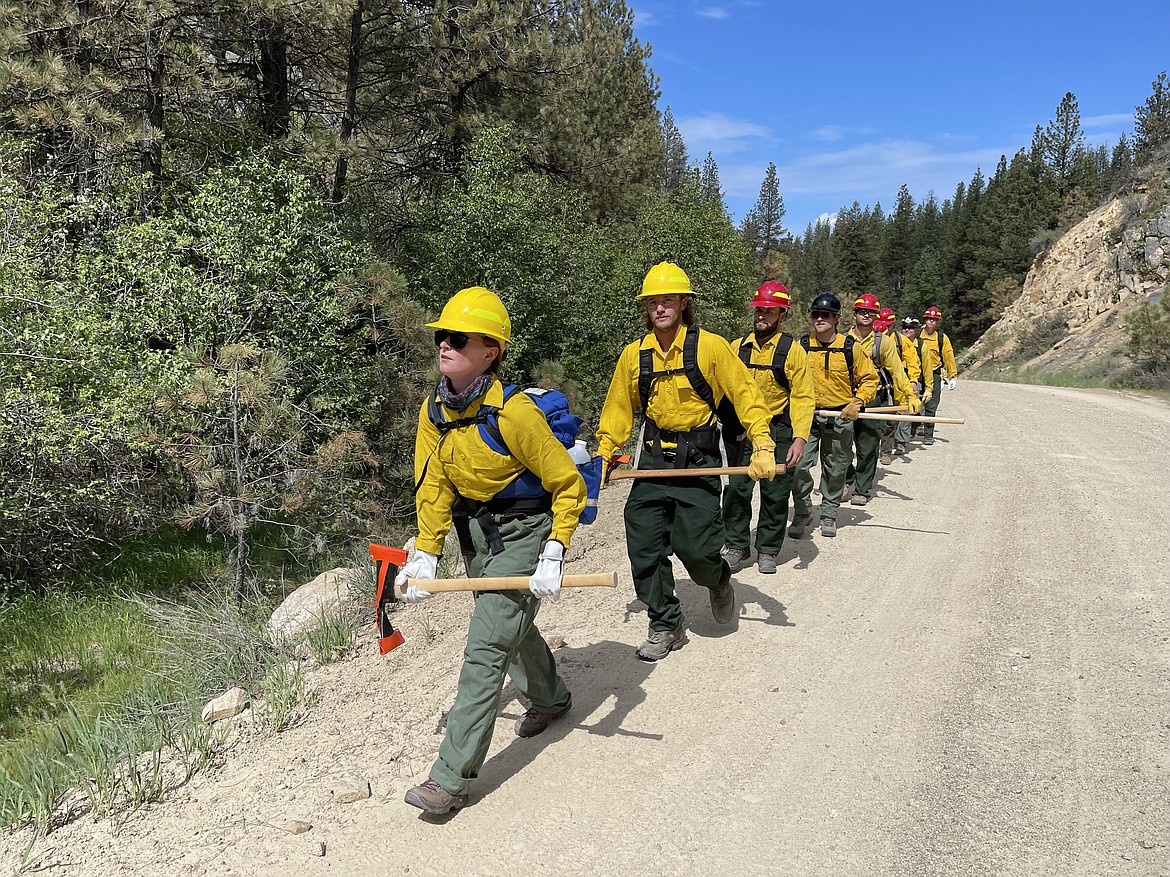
{"x": 387, "y": 562}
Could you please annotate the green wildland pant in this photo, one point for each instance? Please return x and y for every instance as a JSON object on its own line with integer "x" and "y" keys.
{"x": 680, "y": 516}
{"x": 502, "y": 639}
{"x": 930, "y": 409}
{"x": 737, "y": 501}
{"x": 832, "y": 442}
{"x": 867, "y": 439}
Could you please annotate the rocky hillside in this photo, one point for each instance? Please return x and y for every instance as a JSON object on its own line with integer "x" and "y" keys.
{"x": 1071, "y": 313}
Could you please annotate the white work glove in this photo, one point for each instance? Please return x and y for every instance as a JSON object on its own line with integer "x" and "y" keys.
{"x": 951, "y": 383}
{"x": 546, "y": 581}
{"x": 422, "y": 566}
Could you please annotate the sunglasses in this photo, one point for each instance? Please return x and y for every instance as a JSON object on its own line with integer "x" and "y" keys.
{"x": 455, "y": 340}
{"x": 823, "y": 315}
{"x": 867, "y": 313}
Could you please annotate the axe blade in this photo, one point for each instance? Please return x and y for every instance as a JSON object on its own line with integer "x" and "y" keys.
{"x": 387, "y": 562}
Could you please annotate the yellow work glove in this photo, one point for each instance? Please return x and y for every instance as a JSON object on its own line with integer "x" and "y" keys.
{"x": 851, "y": 410}
{"x": 926, "y": 395}
{"x": 914, "y": 405}
{"x": 763, "y": 461}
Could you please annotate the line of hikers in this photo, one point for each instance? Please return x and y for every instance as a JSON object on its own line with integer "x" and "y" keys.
{"x": 488, "y": 463}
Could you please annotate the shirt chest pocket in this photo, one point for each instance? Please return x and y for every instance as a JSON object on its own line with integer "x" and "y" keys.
{"x": 446, "y": 450}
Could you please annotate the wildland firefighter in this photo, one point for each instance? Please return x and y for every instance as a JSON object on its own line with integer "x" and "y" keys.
{"x": 938, "y": 359}
{"x": 677, "y": 375}
{"x": 487, "y": 462}
{"x": 844, "y": 380}
{"x": 911, "y": 326}
{"x": 779, "y": 366}
{"x": 893, "y": 388}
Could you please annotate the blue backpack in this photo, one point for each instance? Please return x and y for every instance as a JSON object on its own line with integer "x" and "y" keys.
{"x": 564, "y": 425}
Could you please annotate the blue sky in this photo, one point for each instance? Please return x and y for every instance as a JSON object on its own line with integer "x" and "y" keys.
{"x": 853, "y": 99}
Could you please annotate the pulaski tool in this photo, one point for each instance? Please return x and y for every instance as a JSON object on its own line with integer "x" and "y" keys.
{"x": 389, "y": 560}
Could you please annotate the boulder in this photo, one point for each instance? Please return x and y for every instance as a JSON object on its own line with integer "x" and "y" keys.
{"x": 302, "y": 609}
{"x": 230, "y": 703}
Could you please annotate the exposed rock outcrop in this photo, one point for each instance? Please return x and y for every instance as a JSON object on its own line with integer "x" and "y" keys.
{"x": 1091, "y": 279}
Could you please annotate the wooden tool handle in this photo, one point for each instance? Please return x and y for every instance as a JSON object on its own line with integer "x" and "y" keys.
{"x": 893, "y": 409}
{"x": 513, "y": 583}
{"x": 912, "y": 418}
{"x": 619, "y": 474}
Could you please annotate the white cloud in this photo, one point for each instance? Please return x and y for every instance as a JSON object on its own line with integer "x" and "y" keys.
{"x": 818, "y": 184}
{"x": 876, "y": 170}
{"x": 832, "y": 133}
{"x": 644, "y": 18}
{"x": 1107, "y": 121}
{"x": 720, "y": 134}
{"x": 716, "y": 12}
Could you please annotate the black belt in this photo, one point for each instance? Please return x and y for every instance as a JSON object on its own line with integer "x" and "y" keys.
{"x": 490, "y": 515}
{"x": 691, "y": 446}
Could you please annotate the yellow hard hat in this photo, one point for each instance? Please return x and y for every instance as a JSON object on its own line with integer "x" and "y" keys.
{"x": 666, "y": 278}
{"x": 476, "y": 311}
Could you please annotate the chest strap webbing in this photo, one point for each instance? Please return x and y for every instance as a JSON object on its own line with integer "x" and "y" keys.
{"x": 846, "y": 349}
{"x": 691, "y": 445}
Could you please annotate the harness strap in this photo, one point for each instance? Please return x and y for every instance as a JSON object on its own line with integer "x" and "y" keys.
{"x": 691, "y": 445}
{"x": 846, "y": 350}
{"x": 779, "y": 358}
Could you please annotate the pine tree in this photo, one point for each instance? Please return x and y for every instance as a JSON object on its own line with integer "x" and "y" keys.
{"x": 1061, "y": 143}
{"x": 677, "y": 162}
{"x": 927, "y": 226}
{"x": 898, "y": 251}
{"x": 1152, "y": 121}
{"x": 855, "y": 248}
{"x": 814, "y": 265}
{"x": 709, "y": 181}
{"x": 1121, "y": 161}
{"x": 924, "y": 286}
{"x": 762, "y": 228}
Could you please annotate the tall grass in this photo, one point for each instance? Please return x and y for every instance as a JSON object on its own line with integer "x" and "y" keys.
{"x": 100, "y": 691}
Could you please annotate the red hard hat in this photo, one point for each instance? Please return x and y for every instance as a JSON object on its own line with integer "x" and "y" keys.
{"x": 772, "y": 294}
{"x": 868, "y": 302}
{"x": 886, "y": 315}
{"x": 932, "y": 313}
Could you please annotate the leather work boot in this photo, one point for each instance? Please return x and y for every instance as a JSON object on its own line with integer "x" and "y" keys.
{"x": 737, "y": 558}
{"x": 723, "y": 603}
{"x": 828, "y": 527}
{"x": 797, "y": 528}
{"x": 660, "y": 643}
{"x": 927, "y": 442}
{"x": 886, "y": 458}
{"x": 848, "y": 491}
{"x": 433, "y": 798}
{"x": 767, "y": 564}
{"x": 858, "y": 499}
{"x": 900, "y": 450}
{"x": 534, "y": 721}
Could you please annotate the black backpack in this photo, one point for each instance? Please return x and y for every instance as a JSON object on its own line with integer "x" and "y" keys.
{"x": 885, "y": 379}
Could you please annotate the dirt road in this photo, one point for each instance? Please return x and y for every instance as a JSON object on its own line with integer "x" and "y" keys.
{"x": 973, "y": 678}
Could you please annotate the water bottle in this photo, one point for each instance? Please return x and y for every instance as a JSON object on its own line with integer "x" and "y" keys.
{"x": 590, "y": 469}
{"x": 579, "y": 454}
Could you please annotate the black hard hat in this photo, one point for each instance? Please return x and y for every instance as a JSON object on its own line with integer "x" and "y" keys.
{"x": 826, "y": 301}
{"x": 910, "y": 322}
